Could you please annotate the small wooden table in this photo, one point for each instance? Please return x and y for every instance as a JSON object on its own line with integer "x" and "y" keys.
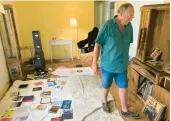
{"x": 60, "y": 42}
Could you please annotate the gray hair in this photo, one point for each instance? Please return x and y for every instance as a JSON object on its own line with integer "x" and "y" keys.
{"x": 124, "y": 7}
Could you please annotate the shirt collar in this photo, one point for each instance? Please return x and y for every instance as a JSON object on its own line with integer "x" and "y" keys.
{"x": 114, "y": 19}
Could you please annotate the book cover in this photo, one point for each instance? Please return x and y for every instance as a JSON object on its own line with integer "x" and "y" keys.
{"x": 37, "y": 88}
{"x": 45, "y": 93}
{"x": 6, "y": 119}
{"x": 41, "y": 107}
{"x": 54, "y": 109}
{"x": 23, "y": 86}
{"x": 66, "y": 104}
{"x": 148, "y": 90}
{"x": 38, "y": 83}
{"x": 21, "y": 118}
{"x": 56, "y": 119}
{"x": 28, "y": 98}
{"x": 51, "y": 83}
{"x": 14, "y": 94}
{"x": 67, "y": 114}
{"x": 8, "y": 113}
{"x": 153, "y": 109}
{"x": 17, "y": 98}
{"x": 45, "y": 100}
{"x": 15, "y": 104}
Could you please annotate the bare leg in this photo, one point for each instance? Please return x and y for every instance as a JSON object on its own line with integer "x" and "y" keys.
{"x": 104, "y": 95}
{"x": 123, "y": 95}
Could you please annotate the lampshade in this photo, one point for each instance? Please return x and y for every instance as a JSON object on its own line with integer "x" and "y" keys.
{"x": 73, "y": 23}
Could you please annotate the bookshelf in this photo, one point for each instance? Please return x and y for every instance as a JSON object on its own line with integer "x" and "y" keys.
{"x": 154, "y": 32}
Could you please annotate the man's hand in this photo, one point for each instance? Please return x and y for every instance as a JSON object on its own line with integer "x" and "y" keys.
{"x": 95, "y": 68}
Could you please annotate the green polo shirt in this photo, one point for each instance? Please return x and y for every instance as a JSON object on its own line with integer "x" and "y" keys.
{"x": 114, "y": 46}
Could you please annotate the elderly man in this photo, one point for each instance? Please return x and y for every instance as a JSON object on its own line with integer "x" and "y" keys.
{"x": 112, "y": 45}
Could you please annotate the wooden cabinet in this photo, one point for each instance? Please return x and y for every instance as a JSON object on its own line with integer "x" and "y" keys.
{"x": 154, "y": 33}
{"x": 10, "y": 43}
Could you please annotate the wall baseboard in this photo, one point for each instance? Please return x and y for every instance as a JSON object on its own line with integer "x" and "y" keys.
{"x": 6, "y": 88}
{"x": 58, "y": 60}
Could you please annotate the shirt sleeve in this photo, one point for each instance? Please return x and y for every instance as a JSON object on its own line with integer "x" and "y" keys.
{"x": 101, "y": 34}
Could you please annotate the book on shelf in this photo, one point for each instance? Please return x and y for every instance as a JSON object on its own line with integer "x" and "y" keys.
{"x": 148, "y": 90}
{"x": 144, "y": 88}
{"x": 153, "y": 109}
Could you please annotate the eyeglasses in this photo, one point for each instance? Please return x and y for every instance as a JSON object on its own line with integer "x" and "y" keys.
{"x": 130, "y": 16}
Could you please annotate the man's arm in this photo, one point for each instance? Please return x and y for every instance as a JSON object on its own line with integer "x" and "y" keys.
{"x": 96, "y": 54}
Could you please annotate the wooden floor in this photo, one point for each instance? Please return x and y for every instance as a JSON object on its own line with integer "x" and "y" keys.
{"x": 135, "y": 103}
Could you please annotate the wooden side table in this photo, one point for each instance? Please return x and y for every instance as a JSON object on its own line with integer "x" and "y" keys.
{"x": 60, "y": 42}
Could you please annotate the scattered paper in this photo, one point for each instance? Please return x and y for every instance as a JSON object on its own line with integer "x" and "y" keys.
{"x": 74, "y": 71}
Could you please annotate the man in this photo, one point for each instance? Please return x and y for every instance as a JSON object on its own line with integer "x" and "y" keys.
{"x": 113, "y": 42}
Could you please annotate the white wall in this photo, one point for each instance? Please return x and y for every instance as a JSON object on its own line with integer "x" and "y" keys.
{"x": 136, "y": 20}
{"x": 101, "y": 12}
{"x": 4, "y": 77}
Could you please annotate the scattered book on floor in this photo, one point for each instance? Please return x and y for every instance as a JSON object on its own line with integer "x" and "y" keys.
{"x": 54, "y": 109}
{"x": 58, "y": 87}
{"x": 15, "y": 104}
{"x": 6, "y": 119}
{"x": 38, "y": 83}
{"x": 8, "y": 113}
{"x": 61, "y": 82}
{"x": 51, "y": 82}
{"x": 45, "y": 93}
{"x": 45, "y": 100}
{"x": 28, "y": 98}
{"x": 23, "y": 86}
{"x": 23, "y": 110}
{"x": 56, "y": 119}
{"x": 14, "y": 94}
{"x": 37, "y": 88}
{"x": 41, "y": 107}
{"x": 67, "y": 114}
{"x": 66, "y": 104}
{"x": 21, "y": 118}
{"x": 154, "y": 110}
{"x": 17, "y": 98}
{"x": 56, "y": 101}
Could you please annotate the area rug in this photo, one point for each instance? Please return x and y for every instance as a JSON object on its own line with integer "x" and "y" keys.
{"x": 84, "y": 91}
{"x": 86, "y": 94}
